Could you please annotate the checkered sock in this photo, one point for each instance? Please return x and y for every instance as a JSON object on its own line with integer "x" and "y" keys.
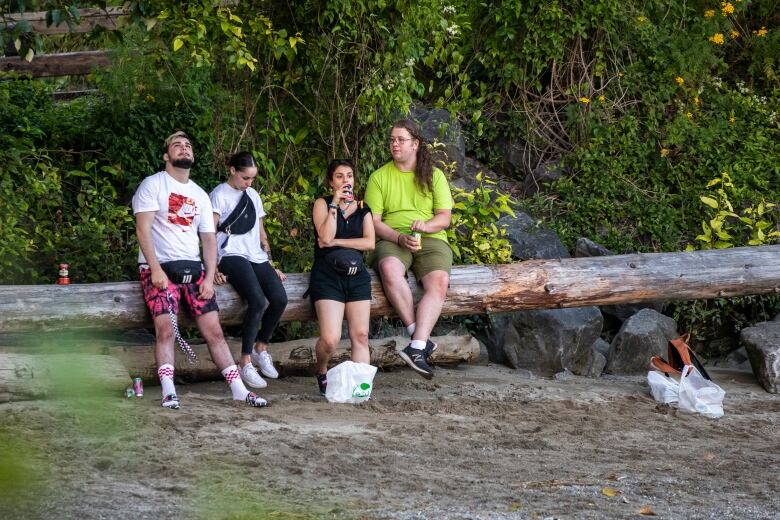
{"x": 233, "y": 378}
{"x": 165, "y": 373}
{"x": 411, "y": 328}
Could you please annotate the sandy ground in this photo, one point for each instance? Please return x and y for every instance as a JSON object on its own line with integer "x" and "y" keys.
{"x": 477, "y": 442}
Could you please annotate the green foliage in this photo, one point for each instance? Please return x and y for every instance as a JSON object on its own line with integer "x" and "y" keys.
{"x": 473, "y": 235}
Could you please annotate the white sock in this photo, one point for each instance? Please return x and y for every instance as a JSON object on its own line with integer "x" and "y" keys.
{"x": 419, "y": 345}
{"x": 165, "y": 373}
{"x": 233, "y": 378}
{"x": 411, "y": 328}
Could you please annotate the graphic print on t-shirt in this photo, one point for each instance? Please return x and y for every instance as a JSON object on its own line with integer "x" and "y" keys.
{"x": 181, "y": 210}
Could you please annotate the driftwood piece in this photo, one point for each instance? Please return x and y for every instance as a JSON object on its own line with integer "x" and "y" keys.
{"x": 292, "y": 356}
{"x": 476, "y": 289}
{"x": 26, "y": 377}
{"x": 89, "y": 18}
{"x": 64, "y": 64}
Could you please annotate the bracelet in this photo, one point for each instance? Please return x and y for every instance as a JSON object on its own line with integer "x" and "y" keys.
{"x": 333, "y": 206}
{"x": 398, "y": 239}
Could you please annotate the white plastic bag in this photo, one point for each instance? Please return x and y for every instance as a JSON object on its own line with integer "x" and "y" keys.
{"x": 350, "y": 382}
{"x": 699, "y": 395}
{"x": 664, "y": 389}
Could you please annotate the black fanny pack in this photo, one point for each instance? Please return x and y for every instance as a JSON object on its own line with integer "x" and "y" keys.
{"x": 241, "y": 220}
{"x": 182, "y": 271}
{"x": 346, "y": 262}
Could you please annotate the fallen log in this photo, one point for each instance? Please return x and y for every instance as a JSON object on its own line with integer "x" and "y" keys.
{"x": 291, "y": 356}
{"x": 89, "y": 18}
{"x": 475, "y": 289}
{"x": 63, "y": 64}
{"x": 25, "y": 377}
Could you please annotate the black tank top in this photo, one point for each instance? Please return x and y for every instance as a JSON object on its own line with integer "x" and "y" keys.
{"x": 350, "y": 227}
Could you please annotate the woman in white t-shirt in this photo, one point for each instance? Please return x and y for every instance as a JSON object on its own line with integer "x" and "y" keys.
{"x": 244, "y": 261}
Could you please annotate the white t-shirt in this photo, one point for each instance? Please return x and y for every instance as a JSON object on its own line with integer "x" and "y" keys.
{"x": 181, "y": 212}
{"x": 224, "y": 199}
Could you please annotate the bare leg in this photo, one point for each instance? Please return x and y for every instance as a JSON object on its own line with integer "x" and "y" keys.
{"x": 330, "y": 314}
{"x": 212, "y": 332}
{"x": 358, "y": 315}
{"x": 397, "y": 288}
{"x": 163, "y": 340}
{"x": 428, "y": 310}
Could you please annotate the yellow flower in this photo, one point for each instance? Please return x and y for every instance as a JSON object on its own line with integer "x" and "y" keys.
{"x": 709, "y": 13}
{"x": 602, "y": 99}
{"x": 762, "y": 32}
{"x": 679, "y": 80}
{"x": 584, "y": 100}
{"x": 696, "y": 100}
{"x": 640, "y": 19}
{"x": 689, "y": 115}
{"x": 734, "y": 34}
{"x": 717, "y": 39}
{"x": 664, "y": 152}
{"x": 732, "y": 120}
{"x": 727, "y": 8}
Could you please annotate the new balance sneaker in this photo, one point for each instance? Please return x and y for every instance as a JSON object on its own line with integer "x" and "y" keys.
{"x": 322, "y": 382}
{"x": 416, "y": 359}
{"x": 430, "y": 348}
{"x": 251, "y": 377}
{"x": 265, "y": 363}
{"x": 252, "y": 399}
{"x": 170, "y": 401}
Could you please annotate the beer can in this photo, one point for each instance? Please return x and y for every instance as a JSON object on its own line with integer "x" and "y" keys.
{"x": 138, "y": 387}
{"x": 129, "y": 392}
{"x": 64, "y": 277}
{"x": 418, "y": 237}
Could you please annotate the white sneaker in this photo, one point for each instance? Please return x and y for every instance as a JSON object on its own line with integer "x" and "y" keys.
{"x": 251, "y": 377}
{"x": 266, "y": 364}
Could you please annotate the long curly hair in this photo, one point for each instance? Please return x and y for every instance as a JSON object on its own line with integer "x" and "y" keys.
{"x": 423, "y": 169}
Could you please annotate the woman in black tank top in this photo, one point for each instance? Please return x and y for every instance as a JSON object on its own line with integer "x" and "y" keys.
{"x": 340, "y": 285}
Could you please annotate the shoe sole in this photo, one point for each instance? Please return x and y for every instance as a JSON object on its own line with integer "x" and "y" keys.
{"x": 408, "y": 361}
{"x": 250, "y": 385}
{"x": 269, "y": 376}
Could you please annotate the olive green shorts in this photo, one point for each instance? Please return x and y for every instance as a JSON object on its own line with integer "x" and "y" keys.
{"x": 435, "y": 255}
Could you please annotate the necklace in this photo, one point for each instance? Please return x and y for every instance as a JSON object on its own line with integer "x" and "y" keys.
{"x": 344, "y": 211}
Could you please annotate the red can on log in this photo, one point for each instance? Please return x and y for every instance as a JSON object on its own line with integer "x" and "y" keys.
{"x": 64, "y": 278}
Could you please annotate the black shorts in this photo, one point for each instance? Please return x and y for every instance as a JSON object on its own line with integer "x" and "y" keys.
{"x": 327, "y": 284}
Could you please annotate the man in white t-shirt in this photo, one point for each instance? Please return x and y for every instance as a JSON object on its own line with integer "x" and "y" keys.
{"x": 173, "y": 216}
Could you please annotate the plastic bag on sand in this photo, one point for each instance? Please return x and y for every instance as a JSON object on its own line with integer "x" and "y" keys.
{"x": 664, "y": 389}
{"x": 692, "y": 393}
{"x": 350, "y": 382}
{"x": 699, "y": 395}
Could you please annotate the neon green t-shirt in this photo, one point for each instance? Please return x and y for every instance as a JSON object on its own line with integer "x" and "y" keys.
{"x": 394, "y": 194}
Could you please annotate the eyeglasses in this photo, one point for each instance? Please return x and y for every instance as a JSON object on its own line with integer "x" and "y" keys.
{"x": 399, "y": 140}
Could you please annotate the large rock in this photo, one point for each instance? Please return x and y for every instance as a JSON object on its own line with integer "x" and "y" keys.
{"x": 643, "y": 335}
{"x": 438, "y": 125}
{"x": 762, "y": 342}
{"x": 529, "y": 240}
{"x": 552, "y": 340}
{"x": 585, "y": 247}
{"x": 545, "y": 173}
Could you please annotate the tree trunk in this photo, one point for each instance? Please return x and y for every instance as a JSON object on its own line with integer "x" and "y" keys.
{"x": 65, "y": 64}
{"x": 292, "y": 356}
{"x": 476, "y": 289}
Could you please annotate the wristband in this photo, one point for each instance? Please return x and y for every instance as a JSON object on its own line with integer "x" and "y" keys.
{"x": 333, "y": 206}
{"x": 398, "y": 239}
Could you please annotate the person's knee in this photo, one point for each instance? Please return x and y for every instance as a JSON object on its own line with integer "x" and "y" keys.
{"x": 392, "y": 272}
{"x": 280, "y": 301}
{"x": 256, "y": 303}
{"x": 328, "y": 344}
{"x": 359, "y": 336}
{"x": 211, "y": 330}
{"x": 436, "y": 284}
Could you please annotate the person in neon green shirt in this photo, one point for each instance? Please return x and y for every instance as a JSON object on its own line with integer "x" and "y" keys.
{"x": 408, "y": 196}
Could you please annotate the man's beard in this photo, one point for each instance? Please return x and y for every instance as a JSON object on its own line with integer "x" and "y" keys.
{"x": 184, "y": 164}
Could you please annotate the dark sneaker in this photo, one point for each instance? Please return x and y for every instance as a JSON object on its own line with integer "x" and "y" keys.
{"x": 252, "y": 399}
{"x": 170, "y": 401}
{"x": 322, "y": 382}
{"x": 430, "y": 348}
{"x": 416, "y": 359}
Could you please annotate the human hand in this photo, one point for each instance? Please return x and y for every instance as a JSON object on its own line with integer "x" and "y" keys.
{"x": 219, "y": 278}
{"x": 420, "y": 226}
{"x": 409, "y": 242}
{"x": 205, "y": 290}
{"x": 159, "y": 278}
{"x": 281, "y": 275}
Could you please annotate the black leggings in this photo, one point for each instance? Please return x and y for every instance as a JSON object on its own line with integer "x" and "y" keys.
{"x": 264, "y": 293}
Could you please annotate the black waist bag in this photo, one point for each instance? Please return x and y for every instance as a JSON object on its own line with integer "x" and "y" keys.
{"x": 241, "y": 220}
{"x": 346, "y": 262}
{"x": 182, "y": 271}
